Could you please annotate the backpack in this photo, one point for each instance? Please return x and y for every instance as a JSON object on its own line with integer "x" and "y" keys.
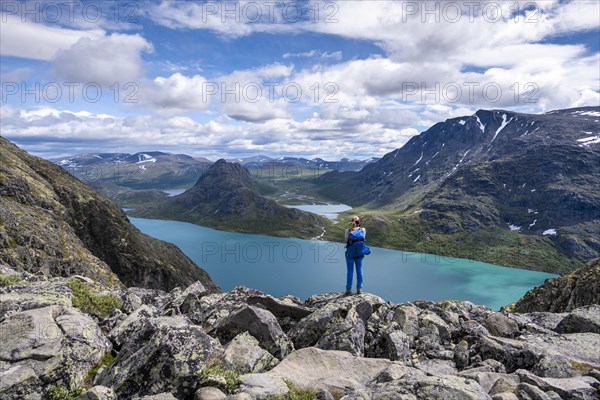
{"x": 356, "y": 246}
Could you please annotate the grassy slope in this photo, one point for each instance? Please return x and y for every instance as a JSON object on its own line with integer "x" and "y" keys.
{"x": 406, "y": 231}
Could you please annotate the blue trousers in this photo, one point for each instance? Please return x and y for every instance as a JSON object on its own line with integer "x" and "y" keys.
{"x": 350, "y": 262}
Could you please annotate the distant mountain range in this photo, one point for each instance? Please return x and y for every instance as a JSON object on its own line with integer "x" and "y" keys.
{"x": 160, "y": 170}
{"x": 481, "y": 178}
{"x": 344, "y": 164}
{"x": 146, "y": 170}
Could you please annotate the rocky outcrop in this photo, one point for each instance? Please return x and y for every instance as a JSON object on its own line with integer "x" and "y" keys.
{"x": 46, "y": 346}
{"x": 51, "y": 223}
{"x": 259, "y": 323}
{"x": 167, "y": 347}
{"x": 247, "y": 345}
{"x": 563, "y": 294}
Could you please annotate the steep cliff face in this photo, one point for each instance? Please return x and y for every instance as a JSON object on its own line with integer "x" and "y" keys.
{"x": 225, "y": 197}
{"x": 52, "y": 223}
{"x": 577, "y": 289}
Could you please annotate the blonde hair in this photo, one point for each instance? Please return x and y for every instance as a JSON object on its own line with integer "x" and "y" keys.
{"x": 355, "y": 222}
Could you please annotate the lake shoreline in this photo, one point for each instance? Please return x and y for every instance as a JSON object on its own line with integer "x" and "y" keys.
{"x": 371, "y": 244}
{"x": 231, "y": 259}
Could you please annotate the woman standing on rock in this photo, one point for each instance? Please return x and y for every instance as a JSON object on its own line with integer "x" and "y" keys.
{"x": 353, "y": 235}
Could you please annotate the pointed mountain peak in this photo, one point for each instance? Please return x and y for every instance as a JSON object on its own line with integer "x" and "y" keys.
{"x": 221, "y": 177}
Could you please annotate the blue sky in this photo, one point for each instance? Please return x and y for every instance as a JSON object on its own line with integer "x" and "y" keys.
{"x": 354, "y": 73}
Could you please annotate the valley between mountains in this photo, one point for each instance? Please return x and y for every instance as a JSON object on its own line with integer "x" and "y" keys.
{"x": 507, "y": 188}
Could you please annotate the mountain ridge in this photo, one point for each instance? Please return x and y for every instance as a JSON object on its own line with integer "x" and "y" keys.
{"x": 488, "y": 174}
{"x": 54, "y": 224}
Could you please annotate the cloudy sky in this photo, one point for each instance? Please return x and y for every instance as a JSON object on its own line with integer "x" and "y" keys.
{"x": 306, "y": 78}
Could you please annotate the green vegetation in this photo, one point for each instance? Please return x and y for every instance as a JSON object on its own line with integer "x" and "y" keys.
{"x": 106, "y": 360}
{"x": 56, "y": 392}
{"x": 277, "y": 225}
{"x": 585, "y": 368}
{"x": 92, "y": 302}
{"x": 292, "y": 187}
{"x": 10, "y": 280}
{"x": 407, "y": 232}
{"x": 214, "y": 371}
{"x": 297, "y": 393}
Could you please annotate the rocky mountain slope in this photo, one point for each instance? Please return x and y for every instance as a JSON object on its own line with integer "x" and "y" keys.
{"x": 533, "y": 178}
{"x": 244, "y": 344}
{"x": 226, "y": 197}
{"x": 564, "y": 294}
{"x": 53, "y": 224}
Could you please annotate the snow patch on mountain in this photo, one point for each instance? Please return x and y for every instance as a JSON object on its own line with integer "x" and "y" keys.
{"x": 481, "y": 125}
{"x": 504, "y": 123}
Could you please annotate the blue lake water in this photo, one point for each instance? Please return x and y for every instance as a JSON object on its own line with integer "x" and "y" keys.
{"x": 173, "y": 192}
{"x": 330, "y": 211}
{"x": 302, "y": 268}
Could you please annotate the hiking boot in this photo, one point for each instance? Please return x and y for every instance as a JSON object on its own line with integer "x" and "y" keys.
{"x": 348, "y": 292}
{"x": 358, "y": 291}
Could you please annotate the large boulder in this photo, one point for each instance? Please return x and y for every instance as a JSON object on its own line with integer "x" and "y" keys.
{"x": 168, "y": 354}
{"x": 210, "y": 310}
{"x": 134, "y": 297}
{"x": 32, "y": 295}
{"x": 500, "y": 325}
{"x": 133, "y": 322}
{"x": 546, "y": 320}
{"x": 578, "y": 388}
{"x": 287, "y": 310}
{"x": 583, "y": 319}
{"x": 514, "y": 354}
{"x": 259, "y": 323}
{"x": 243, "y": 354}
{"x": 263, "y": 386}
{"x": 187, "y": 301}
{"x": 209, "y": 393}
{"x": 331, "y": 310}
{"x": 46, "y": 346}
{"x": 391, "y": 343}
{"x": 407, "y": 316}
{"x": 349, "y": 334}
{"x": 330, "y": 369}
{"x": 449, "y": 388}
{"x": 579, "y": 349}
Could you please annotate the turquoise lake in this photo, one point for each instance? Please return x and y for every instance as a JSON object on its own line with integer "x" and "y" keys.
{"x": 302, "y": 268}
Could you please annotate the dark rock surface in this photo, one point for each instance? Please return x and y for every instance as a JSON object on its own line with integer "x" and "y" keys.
{"x": 51, "y": 223}
{"x": 577, "y": 289}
